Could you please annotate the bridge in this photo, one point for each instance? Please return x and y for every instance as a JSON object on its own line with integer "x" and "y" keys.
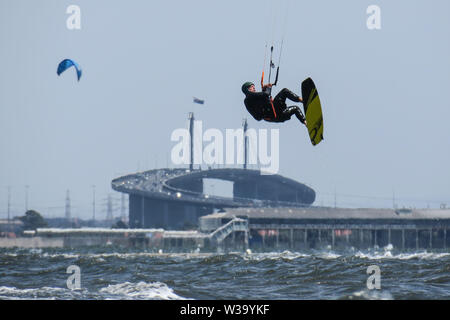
{"x": 174, "y": 199}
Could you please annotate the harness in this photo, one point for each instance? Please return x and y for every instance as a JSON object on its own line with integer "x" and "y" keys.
{"x": 273, "y": 108}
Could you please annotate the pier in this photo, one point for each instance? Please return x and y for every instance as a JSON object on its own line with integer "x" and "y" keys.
{"x": 315, "y": 227}
{"x": 157, "y": 239}
{"x": 273, "y": 229}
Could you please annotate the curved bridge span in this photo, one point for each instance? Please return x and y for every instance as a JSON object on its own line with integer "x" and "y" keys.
{"x": 175, "y": 198}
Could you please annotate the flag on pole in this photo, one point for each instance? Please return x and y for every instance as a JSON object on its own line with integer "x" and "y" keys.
{"x": 199, "y": 101}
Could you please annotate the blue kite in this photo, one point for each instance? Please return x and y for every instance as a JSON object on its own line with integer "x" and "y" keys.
{"x": 66, "y": 64}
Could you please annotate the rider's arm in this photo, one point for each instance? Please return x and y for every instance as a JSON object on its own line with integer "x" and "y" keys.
{"x": 267, "y": 89}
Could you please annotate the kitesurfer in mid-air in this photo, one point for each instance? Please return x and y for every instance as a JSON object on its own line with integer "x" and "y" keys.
{"x": 261, "y": 106}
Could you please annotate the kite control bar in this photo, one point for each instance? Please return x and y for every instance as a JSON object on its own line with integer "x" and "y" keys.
{"x": 272, "y": 65}
{"x": 276, "y": 76}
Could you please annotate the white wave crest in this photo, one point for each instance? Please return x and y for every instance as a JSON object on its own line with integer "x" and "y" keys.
{"x": 286, "y": 255}
{"x": 60, "y": 255}
{"x": 387, "y": 254}
{"x": 329, "y": 255}
{"x": 45, "y": 293}
{"x": 141, "y": 290}
{"x": 371, "y": 295}
{"x": 133, "y": 255}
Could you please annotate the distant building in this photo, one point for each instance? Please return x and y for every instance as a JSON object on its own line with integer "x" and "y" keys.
{"x": 10, "y": 226}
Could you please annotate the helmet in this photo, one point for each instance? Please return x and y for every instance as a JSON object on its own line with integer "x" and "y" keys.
{"x": 245, "y": 86}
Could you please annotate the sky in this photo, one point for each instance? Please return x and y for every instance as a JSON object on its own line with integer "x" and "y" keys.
{"x": 384, "y": 94}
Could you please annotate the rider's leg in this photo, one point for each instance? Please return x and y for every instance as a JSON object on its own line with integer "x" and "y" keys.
{"x": 298, "y": 113}
{"x": 286, "y": 94}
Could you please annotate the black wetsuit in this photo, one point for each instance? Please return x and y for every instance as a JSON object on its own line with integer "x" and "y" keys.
{"x": 259, "y": 106}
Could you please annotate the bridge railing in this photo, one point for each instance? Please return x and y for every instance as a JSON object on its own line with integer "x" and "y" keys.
{"x": 164, "y": 185}
{"x": 241, "y": 200}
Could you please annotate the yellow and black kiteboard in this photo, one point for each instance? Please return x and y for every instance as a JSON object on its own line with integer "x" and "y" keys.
{"x": 313, "y": 111}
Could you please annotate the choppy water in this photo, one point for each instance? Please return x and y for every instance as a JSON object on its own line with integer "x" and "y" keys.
{"x": 108, "y": 273}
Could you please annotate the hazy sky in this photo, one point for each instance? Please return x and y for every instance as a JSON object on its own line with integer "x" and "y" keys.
{"x": 384, "y": 94}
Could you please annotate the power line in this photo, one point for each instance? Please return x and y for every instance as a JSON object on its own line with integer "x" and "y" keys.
{"x": 26, "y": 197}
{"x": 67, "y": 208}
{"x": 93, "y": 203}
